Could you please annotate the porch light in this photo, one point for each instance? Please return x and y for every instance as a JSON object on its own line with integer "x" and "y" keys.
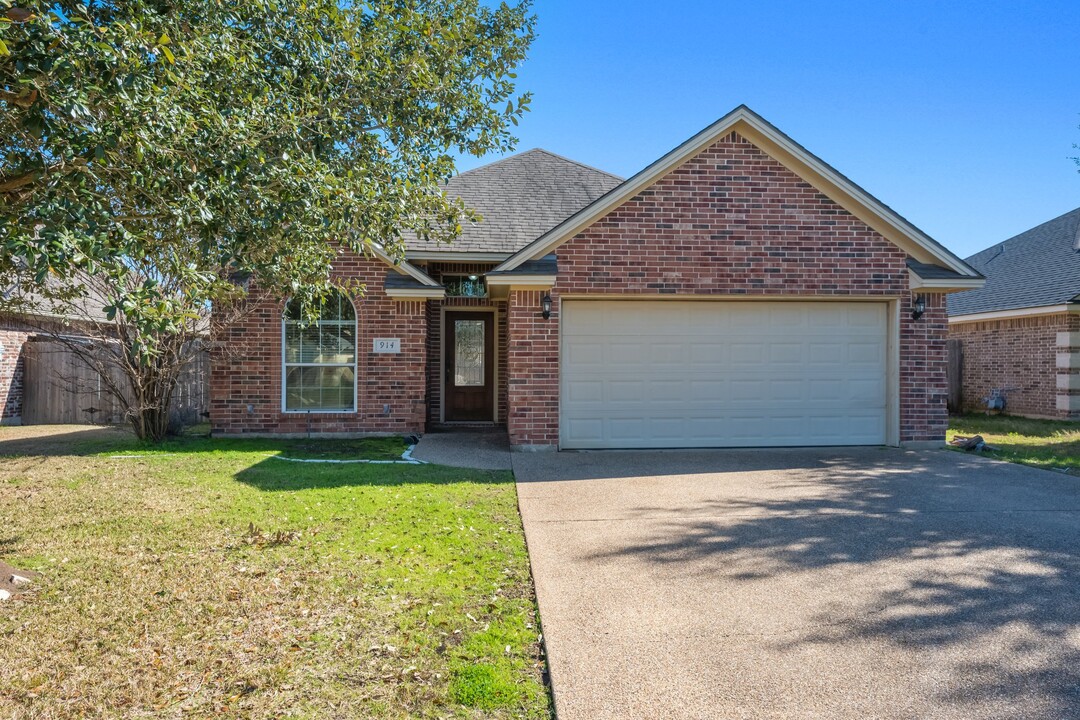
{"x": 918, "y": 307}
{"x": 545, "y": 305}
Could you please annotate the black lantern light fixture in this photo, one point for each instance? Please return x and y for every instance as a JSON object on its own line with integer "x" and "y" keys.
{"x": 918, "y": 307}
{"x": 545, "y": 306}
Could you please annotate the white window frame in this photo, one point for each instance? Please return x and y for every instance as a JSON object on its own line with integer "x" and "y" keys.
{"x": 355, "y": 365}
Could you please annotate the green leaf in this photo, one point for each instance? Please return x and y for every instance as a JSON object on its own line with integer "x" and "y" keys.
{"x": 168, "y": 55}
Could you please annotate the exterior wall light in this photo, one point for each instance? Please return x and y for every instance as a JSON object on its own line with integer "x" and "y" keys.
{"x": 545, "y": 306}
{"x": 918, "y": 307}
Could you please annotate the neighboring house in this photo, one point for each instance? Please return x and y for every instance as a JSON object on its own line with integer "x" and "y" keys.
{"x": 736, "y": 292}
{"x": 1020, "y": 334}
{"x": 21, "y": 324}
{"x": 14, "y": 332}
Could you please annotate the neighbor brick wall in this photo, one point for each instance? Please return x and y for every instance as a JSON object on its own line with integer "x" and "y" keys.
{"x": 1015, "y": 353}
{"x": 434, "y": 319}
{"x": 730, "y": 222}
{"x": 249, "y": 371}
{"x": 13, "y": 335}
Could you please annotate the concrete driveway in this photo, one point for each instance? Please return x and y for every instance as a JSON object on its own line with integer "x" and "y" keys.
{"x": 851, "y": 583}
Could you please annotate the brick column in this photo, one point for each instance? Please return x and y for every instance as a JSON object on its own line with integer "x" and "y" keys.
{"x": 924, "y": 387}
{"x": 533, "y": 371}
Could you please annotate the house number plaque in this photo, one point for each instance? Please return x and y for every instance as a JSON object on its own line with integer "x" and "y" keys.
{"x": 386, "y": 345}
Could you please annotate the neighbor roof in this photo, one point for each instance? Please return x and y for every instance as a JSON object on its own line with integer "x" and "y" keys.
{"x": 1036, "y": 268}
{"x": 520, "y": 198}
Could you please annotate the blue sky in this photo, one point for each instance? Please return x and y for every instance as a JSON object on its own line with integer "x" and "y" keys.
{"x": 959, "y": 115}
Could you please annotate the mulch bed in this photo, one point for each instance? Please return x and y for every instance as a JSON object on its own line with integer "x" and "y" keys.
{"x": 6, "y": 571}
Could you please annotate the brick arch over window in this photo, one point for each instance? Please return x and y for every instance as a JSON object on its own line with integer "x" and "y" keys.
{"x": 319, "y": 358}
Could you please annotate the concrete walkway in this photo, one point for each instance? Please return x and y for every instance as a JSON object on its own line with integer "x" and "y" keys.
{"x": 478, "y": 450}
{"x": 855, "y": 583}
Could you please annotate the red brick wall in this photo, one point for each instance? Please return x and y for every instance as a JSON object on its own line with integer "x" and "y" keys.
{"x": 1017, "y": 353}
{"x": 13, "y": 335}
{"x": 533, "y": 363}
{"x": 731, "y": 221}
{"x": 434, "y": 319}
{"x": 250, "y": 372}
{"x": 924, "y": 386}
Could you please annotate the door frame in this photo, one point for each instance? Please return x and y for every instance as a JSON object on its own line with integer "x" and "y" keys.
{"x": 892, "y": 338}
{"x": 494, "y": 311}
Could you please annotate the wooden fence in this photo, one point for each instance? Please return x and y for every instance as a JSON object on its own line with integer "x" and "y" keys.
{"x": 58, "y": 388}
{"x": 955, "y": 373}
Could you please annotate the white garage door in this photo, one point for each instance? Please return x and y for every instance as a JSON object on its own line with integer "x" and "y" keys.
{"x": 647, "y": 374}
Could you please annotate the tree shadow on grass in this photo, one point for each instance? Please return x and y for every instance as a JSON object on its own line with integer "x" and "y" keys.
{"x": 970, "y": 567}
{"x": 63, "y": 440}
{"x": 275, "y": 475}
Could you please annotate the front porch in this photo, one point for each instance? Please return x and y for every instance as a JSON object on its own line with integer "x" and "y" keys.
{"x": 467, "y": 351}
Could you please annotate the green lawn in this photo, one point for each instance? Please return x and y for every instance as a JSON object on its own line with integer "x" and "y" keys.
{"x": 1042, "y": 443}
{"x": 207, "y": 578}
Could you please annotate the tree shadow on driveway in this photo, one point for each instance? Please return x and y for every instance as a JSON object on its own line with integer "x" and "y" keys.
{"x": 972, "y": 568}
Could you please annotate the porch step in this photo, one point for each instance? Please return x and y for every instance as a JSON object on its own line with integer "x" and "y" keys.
{"x": 467, "y": 427}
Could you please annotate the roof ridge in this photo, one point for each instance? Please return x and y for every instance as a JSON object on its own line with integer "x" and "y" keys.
{"x": 493, "y": 163}
{"x": 530, "y": 151}
{"x": 578, "y": 163}
{"x": 1002, "y": 243}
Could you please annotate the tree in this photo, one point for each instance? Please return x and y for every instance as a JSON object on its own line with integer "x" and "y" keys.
{"x": 163, "y": 148}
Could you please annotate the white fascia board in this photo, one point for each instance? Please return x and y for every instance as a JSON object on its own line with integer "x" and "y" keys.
{"x": 403, "y": 267}
{"x": 741, "y": 117}
{"x": 944, "y": 285}
{"x": 416, "y": 293}
{"x": 1019, "y": 312}
{"x": 516, "y": 279}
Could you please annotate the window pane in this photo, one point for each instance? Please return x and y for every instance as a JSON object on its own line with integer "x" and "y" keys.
{"x": 319, "y": 388}
{"x": 468, "y": 353}
{"x": 466, "y": 287}
{"x": 292, "y": 343}
{"x": 309, "y": 344}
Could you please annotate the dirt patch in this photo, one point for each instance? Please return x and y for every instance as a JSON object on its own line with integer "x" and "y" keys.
{"x": 6, "y": 571}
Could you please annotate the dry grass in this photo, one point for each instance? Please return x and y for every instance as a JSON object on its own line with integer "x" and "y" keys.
{"x": 206, "y": 579}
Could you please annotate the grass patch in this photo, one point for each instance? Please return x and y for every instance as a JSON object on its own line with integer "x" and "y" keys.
{"x": 483, "y": 686}
{"x": 1041, "y": 443}
{"x": 207, "y": 578}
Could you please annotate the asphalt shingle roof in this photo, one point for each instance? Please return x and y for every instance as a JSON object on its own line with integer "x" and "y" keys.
{"x": 934, "y": 272}
{"x": 1036, "y": 268}
{"x": 520, "y": 198}
{"x": 396, "y": 281}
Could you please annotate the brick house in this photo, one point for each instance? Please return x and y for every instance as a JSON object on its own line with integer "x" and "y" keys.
{"x": 14, "y": 333}
{"x": 736, "y": 292}
{"x": 1020, "y": 333}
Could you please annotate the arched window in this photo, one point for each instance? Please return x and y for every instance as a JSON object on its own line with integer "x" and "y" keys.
{"x": 319, "y": 358}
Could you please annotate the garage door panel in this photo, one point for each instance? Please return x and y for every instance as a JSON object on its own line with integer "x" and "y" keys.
{"x": 689, "y": 374}
{"x": 710, "y": 391}
{"x": 585, "y": 391}
{"x": 746, "y": 353}
{"x": 583, "y": 354}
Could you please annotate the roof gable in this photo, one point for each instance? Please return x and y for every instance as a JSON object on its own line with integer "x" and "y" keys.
{"x": 519, "y": 198}
{"x": 1037, "y": 268}
{"x": 787, "y": 152}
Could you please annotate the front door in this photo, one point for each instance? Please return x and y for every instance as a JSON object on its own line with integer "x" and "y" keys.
{"x": 470, "y": 373}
